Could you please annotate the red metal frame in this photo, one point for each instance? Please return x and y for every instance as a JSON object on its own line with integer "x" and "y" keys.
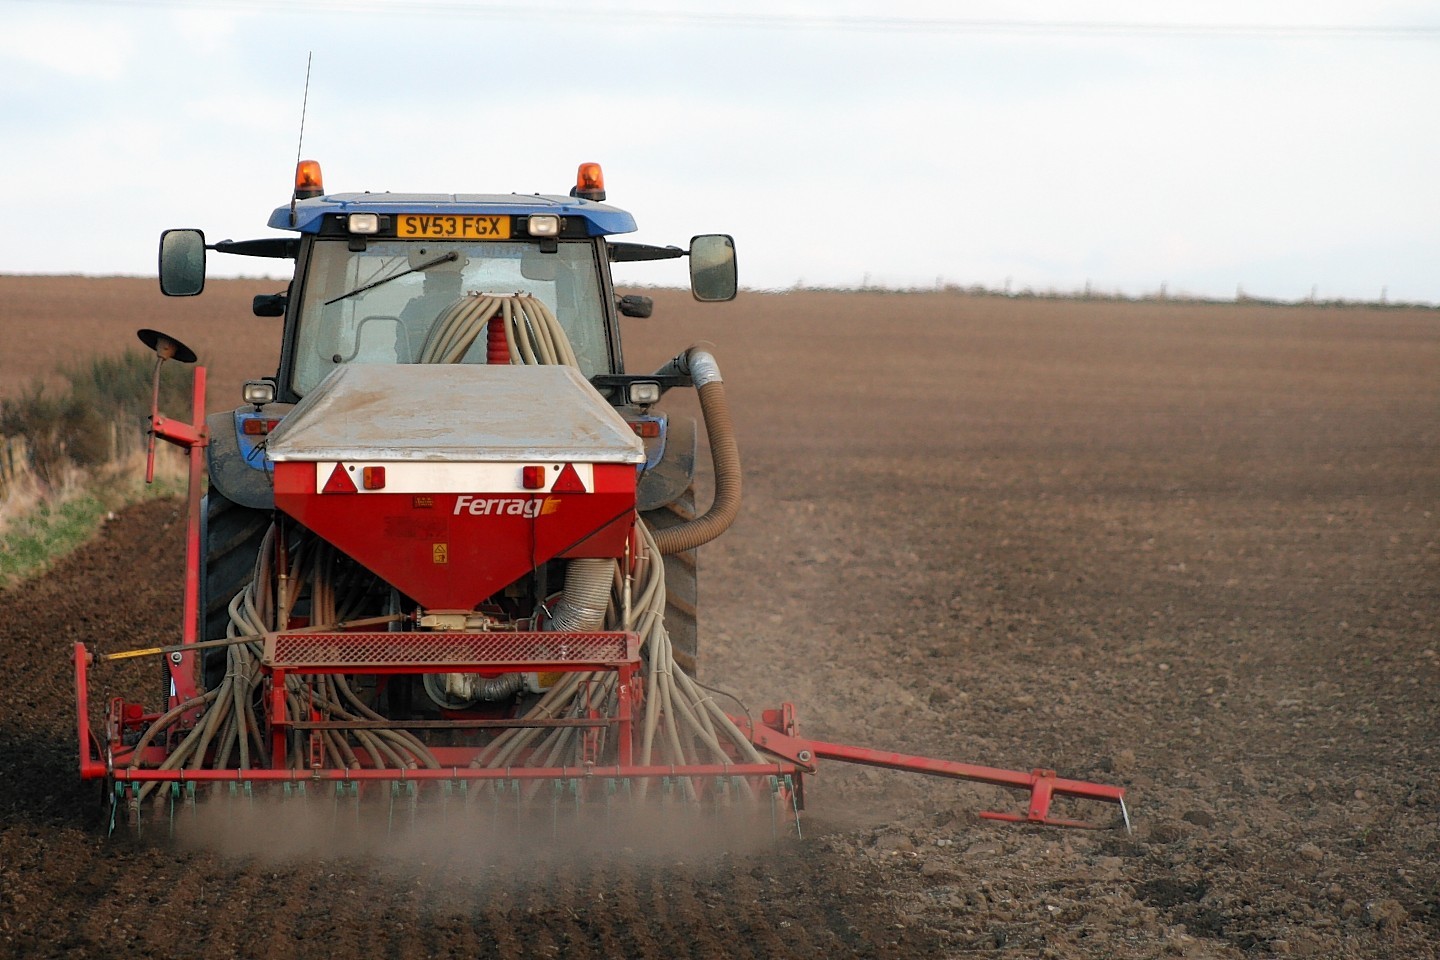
{"x": 193, "y": 438}
{"x": 1043, "y": 785}
{"x": 776, "y": 734}
{"x": 399, "y": 653}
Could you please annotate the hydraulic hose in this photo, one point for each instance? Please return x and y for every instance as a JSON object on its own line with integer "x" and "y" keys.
{"x": 699, "y": 364}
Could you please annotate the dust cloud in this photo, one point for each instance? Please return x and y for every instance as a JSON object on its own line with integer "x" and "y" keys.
{"x": 465, "y": 828}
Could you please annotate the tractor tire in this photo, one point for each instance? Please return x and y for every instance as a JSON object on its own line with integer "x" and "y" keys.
{"x": 230, "y": 538}
{"x": 681, "y": 583}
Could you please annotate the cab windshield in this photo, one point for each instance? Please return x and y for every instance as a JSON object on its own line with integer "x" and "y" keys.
{"x": 396, "y": 290}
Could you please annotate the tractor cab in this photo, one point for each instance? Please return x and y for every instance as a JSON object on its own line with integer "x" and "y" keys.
{"x": 376, "y": 273}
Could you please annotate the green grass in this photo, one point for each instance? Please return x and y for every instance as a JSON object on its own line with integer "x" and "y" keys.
{"x": 35, "y": 541}
{"x": 85, "y": 450}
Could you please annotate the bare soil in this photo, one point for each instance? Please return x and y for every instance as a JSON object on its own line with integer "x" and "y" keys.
{"x": 1189, "y": 549}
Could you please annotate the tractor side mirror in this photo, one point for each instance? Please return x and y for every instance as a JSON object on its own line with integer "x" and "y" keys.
{"x": 269, "y": 304}
{"x": 712, "y": 267}
{"x": 182, "y": 263}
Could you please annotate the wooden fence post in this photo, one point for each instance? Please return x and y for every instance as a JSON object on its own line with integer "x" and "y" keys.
{"x": 14, "y": 463}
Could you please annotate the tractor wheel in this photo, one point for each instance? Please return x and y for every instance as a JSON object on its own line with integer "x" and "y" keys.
{"x": 231, "y": 540}
{"x": 681, "y": 583}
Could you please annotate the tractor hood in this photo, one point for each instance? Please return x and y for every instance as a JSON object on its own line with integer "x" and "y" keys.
{"x": 452, "y": 482}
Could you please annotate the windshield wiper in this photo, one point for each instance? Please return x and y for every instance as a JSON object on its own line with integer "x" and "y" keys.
{"x": 452, "y": 255}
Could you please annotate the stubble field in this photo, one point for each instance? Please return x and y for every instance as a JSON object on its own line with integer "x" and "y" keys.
{"x": 1189, "y": 549}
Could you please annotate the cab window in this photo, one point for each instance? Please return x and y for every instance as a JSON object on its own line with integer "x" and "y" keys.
{"x": 403, "y": 286}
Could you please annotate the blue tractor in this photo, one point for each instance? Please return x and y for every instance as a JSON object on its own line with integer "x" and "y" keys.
{"x": 374, "y": 272}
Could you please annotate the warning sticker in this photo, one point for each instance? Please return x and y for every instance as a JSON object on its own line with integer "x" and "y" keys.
{"x": 440, "y": 552}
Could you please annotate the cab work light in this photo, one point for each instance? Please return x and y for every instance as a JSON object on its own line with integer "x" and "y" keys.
{"x": 259, "y": 392}
{"x": 644, "y": 392}
{"x": 543, "y": 225}
{"x": 364, "y": 223}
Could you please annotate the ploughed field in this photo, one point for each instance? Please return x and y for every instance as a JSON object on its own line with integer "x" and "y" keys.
{"x": 1189, "y": 549}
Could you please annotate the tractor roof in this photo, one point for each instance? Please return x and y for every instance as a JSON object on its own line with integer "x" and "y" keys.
{"x": 600, "y": 219}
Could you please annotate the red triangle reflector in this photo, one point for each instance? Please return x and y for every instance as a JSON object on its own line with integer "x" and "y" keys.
{"x": 339, "y": 482}
{"x": 569, "y": 481}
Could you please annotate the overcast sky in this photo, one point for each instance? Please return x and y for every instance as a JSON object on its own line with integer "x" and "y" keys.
{"x": 1203, "y": 146}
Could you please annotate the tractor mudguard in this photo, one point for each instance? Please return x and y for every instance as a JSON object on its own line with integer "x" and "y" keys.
{"x": 236, "y": 463}
{"x": 673, "y": 475}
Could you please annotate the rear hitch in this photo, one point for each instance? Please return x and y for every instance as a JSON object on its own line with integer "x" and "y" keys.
{"x": 1042, "y": 785}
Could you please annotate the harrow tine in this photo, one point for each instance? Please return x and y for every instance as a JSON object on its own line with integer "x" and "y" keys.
{"x": 172, "y": 800}
{"x": 794, "y": 805}
{"x": 729, "y": 802}
{"x": 558, "y": 792}
{"x": 506, "y": 806}
{"x": 667, "y": 791}
{"x": 116, "y": 799}
{"x": 132, "y": 812}
{"x": 234, "y": 800}
{"x": 577, "y": 793}
{"x": 447, "y": 790}
{"x": 494, "y": 792}
{"x": 784, "y": 807}
{"x": 774, "y": 808}
{"x": 471, "y": 795}
{"x": 344, "y": 789}
{"x": 404, "y": 791}
{"x": 617, "y": 789}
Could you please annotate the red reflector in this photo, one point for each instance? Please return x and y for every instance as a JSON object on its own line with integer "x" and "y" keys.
{"x": 339, "y": 481}
{"x": 532, "y": 478}
{"x": 649, "y": 429}
{"x": 569, "y": 481}
{"x": 255, "y": 427}
{"x": 373, "y": 478}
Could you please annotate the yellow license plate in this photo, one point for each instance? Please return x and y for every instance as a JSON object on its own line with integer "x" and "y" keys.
{"x": 452, "y": 226}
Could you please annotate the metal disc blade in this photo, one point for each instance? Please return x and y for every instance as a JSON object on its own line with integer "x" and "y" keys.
{"x": 166, "y": 346}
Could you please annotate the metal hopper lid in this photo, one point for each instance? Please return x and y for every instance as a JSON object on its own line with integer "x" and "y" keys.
{"x": 455, "y": 413}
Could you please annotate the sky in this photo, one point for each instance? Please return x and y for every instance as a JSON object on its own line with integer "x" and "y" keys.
{"x": 1278, "y": 148}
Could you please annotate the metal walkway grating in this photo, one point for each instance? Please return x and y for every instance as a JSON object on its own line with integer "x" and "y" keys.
{"x": 452, "y": 650}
